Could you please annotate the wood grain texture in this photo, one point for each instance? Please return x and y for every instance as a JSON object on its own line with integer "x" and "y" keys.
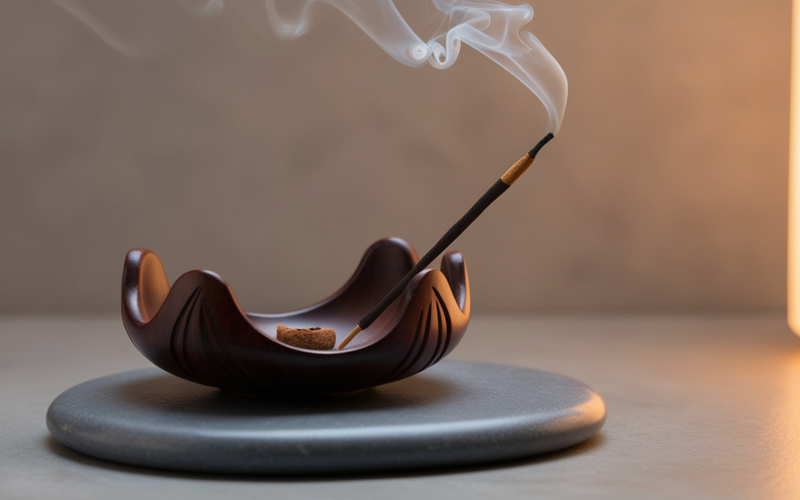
{"x": 196, "y": 329}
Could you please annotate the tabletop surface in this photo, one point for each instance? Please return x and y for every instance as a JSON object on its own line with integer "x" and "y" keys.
{"x": 698, "y": 407}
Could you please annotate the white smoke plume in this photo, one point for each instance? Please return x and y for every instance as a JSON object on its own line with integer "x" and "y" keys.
{"x": 490, "y": 27}
{"x": 493, "y": 28}
{"x": 88, "y": 19}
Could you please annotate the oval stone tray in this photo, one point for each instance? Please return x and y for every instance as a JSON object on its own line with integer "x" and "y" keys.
{"x": 455, "y": 413}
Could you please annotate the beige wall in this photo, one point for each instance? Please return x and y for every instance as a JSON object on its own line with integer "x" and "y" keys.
{"x": 276, "y": 164}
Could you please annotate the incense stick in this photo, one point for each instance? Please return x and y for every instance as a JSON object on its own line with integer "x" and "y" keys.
{"x": 494, "y": 192}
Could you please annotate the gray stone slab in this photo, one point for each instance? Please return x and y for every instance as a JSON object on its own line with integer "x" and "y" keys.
{"x": 456, "y": 413}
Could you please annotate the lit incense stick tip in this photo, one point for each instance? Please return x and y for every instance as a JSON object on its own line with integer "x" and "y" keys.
{"x": 350, "y": 337}
{"x": 519, "y": 168}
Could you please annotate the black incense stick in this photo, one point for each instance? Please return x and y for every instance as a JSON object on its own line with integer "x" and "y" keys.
{"x": 494, "y": 192}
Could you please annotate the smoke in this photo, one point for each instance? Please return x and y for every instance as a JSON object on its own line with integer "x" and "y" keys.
{"x": 85, "y": 16}
{"x": 493, "y": 28}
{"x": 490, "y": 27}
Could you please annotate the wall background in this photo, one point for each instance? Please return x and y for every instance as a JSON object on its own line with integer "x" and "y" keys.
{"x": 276, "y": 164}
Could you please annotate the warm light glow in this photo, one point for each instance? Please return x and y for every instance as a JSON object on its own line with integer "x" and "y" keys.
{"x": 793, "y": 298}
{"x": 783, "y": 433}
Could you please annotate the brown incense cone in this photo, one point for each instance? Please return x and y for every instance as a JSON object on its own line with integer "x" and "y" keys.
{"x": 318, "y": 339}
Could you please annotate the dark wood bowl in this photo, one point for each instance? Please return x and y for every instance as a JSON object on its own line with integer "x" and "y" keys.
{"x": 197, "y": 331}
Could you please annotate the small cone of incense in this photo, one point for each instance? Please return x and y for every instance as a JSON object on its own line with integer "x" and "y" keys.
{"x": 318, "y": 339}
{"x": 499, "y": 187}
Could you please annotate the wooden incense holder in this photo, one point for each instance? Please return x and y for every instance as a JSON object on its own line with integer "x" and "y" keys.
{"x": 197, "y": 330}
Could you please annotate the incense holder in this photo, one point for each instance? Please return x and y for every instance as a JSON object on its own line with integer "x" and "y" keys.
{"x": 196, "y": 329}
